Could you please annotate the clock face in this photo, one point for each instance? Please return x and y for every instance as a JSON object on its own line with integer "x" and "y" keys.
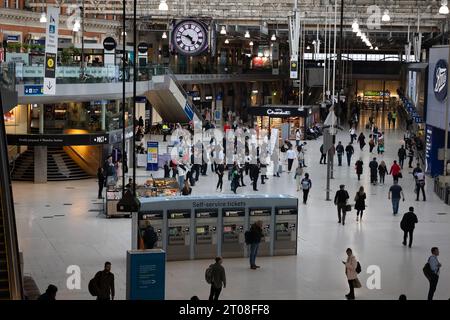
{"x": 190, "y": 37}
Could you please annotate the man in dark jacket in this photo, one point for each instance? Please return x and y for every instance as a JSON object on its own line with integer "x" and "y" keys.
{"x": 373, "y": 165}
{"x": 340, "y": 152}
{"x": 217, "y": 279}
{"x": 408, "y": 224}
{"x": 323, "y": 155}
{"x": 104, "y": 283}
{"x": 256, "y": 235}
{"x": 49, "y": 294}
{"x": 401, "y": 156}
{"x": 349, "y": 151}
{"x": 254, "y": 174}
{"x": 340, "y": 200}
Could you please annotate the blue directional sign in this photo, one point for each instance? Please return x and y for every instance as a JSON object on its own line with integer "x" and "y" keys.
{"x": 33, "y": 90}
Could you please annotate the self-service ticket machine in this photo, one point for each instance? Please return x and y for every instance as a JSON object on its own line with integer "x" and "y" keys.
{"x": 154, "y": 219}
{"x": 233, "y": 233}
{"x": 285, "y": 231}
{"x": 179, "y": 235}
{"x": 265, "y": 215}
{"x": 206, "y": 224}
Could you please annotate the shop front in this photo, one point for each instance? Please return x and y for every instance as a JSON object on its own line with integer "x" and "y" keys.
{"x": 286, "y": 118}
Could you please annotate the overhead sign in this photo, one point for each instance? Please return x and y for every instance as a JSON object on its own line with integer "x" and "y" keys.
{"x": 440, "y": 80}
{"x": 57, "y": 139}
{"x": 51, "y": 50}
{"x": 294, "y": 69}
{"x": 276, "y": 112}
{"x": 142, "y": 47}
{"x": 109, "y": 43}
{"x": 33, "y": 90}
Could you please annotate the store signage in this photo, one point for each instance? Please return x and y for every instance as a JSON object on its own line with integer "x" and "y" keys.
{"x": 376, "y": 93}
{"x": 51, "y": 50}
{"x": 142, "y": 47}
{"x": 11, "y": 38}
{"x": 440, "y": 80}
{"x": 146, "y": 274}
{"x": 109, "y": 43}
{"x": 33, "y": 90}
{"x": 152, "y": 155}
{"x": 276, "y": 112}
{"x": 57, "y": 139}
{"x": 208, "y": 97}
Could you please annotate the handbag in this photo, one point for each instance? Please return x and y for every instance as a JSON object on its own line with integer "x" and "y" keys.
{"x": 357, "y": 283}
{"x": 400, "y": 175}
{"x": 348, "y": 207}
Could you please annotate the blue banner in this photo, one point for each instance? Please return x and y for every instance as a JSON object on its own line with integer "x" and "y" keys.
{"x": 188, "y": 110}
{"x": 33, "y": 90}
{"x": 146, "y": 274}
{"x": 152, "y": 155}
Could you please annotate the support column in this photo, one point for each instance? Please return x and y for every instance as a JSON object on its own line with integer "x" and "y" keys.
{"x": 103, "y": 116}
{"x": 41, "y": 119}
{"x": 40, "y": 154}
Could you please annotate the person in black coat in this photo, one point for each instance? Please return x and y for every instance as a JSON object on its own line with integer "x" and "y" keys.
{"x": 254, "y": 174}
{"x": 359, "y": 168}
{"x": 408, "y": 224}
{"x": 373, "y": 165}
{"x": 101, "y": 182}
{"x": 340, "y": 200}
{"x": 360, "y": 203}
{"x": 49, "y": 294}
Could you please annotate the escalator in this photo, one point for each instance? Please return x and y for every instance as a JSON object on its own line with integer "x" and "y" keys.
{"x": 11, "y": 287}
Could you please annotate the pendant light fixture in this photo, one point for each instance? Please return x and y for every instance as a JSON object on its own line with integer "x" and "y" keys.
{"x": 247, "y": 34}
{"x": 274, "y": 37}
{"x": 251, "y": 43}
{"x": 43, "y": 18}
{"x": 227, "y": 41}
{"x": 444, "y": 8}
{"x": 163, "y": 5}
{"x": 355, "y": 26}
{"x": 386, "y": 17}
{"x": 164, "y": 35}
{"x": 223, "y": 30}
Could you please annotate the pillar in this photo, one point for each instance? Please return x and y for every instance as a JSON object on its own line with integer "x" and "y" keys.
{"x": 41, "y": 119}
{"x": 103, "y": 116}
{"x": 40, "y": 164}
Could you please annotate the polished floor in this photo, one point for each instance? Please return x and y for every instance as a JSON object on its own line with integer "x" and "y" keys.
{"x": 59, "y": 225}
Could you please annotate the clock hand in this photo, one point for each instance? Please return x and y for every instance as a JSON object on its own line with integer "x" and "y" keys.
{"x": 190, "y": 38}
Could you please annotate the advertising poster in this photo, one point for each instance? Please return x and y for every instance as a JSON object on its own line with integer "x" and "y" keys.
{"x": 152, "y": 156}
{"x": 146, "y": 274}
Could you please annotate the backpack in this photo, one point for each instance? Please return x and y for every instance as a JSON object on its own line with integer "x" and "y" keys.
{"x": 305, "y": 184}
{"x": 358, "y": 268}
{"x": 208, "y": 274}
{"x": 403, "y": 224}
{"x": 427, "y": 271}
{"x": 92, "y": 288}
{"x": 248, "y": 237}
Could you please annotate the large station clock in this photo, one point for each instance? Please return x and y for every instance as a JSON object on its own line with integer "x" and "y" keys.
{"x": 190, "y": 37}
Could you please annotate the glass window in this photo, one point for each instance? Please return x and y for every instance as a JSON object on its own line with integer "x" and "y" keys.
{"x": 6, "y": 3}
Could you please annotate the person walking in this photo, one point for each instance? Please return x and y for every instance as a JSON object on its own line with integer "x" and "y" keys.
{"x": 340, "y": 200}
{"x": 306, "y": 186}
{"x": 340, "y": 152}
{"x": 350, "y": 271}
{"x": 298, "y": 136}
{"x": 298, "y": 177}
{"x": 395, "y": 194}
{"x": 394, "y": 118}
{"x": 382, "y": 170}
{"x": 166, "y": 170}
{"x": 401, "y": 155}
{"x": 301, "y": 157}
{"x": 389, "y": 117}
{"x": 181, "y": 172}
{"x": 263, "y": 173}
{"x": 255, "y": 236}
{"x": 435, "y": 267}
{"x": 410, "y": 156}
{"x": 101, "y": 182}
{"x": 290, "y": 157}
{"x": 420, "y": 185}
{"x": 349, "y": 150}
{"x": 407, "y": 225}
{"x": 361, "y": 140}
{"x": 359, "y": 168}
{"x": 352, "y": 134}
{"x": 395, "y": 171}
{"x": 49, "y": 294}
{"x": 220, "y": 171}
{"x": 254, "y": 174}
{"x": 373, "y": 165}
{"x": 218, "y": 279}
{"x": 323, "y": 155}
{"x": 360, "y": 203}
{"x": 371, "y": 143}
{"x": 234, "y": 178}
{"x": 104, "y": 283}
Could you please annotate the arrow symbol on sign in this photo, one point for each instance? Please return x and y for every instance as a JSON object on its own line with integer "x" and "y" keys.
{"x": 153, "y": 281}
{"x": 49, "y": 86}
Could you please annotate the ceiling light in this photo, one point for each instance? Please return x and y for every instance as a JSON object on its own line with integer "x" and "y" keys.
{"x": 227, "y": 41}
{"x": 359, "y": 34}
{"x": 376, "y": 48}
{"x": 223, "y": 30}
{"x": 371, "y": 47}
{"x": 164, "y": 35}
{"x": 251, "y": 43}
{"x": 43, "y": 18}
{"x": 386, "y": 17}
{"x": 355, "y": 25}
{"x": 247, "y": 34}
{"x": 443, "y": 9}
{"x": 274, "y": 37}
{"x": 308, "y": 48}
{"x": 124, "y": 33}
{"x": 163, "y": 6}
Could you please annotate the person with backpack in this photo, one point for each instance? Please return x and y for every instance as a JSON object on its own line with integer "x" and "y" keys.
{"x": 298, "y": 177}
{"x": 359, "y": 168}
{"x": 432, "y": 271}
{"x": 306, "y": 186}
{"x": 360, "y": 203}
{"x": 150, "y": 237}
{"x": 349, "y": 150}
{"x": 340, "y": 200}
{"x": 253, "y": 238}
{"x": 340, "y": 152}
{"x": 351, "y": 271}
{"x": 371, "y": 143}
{"x": 102, "y": 284}
{"x": 215, "y": 276}
{"x": 395, "y": 171}
{"x": 407, "y": 225}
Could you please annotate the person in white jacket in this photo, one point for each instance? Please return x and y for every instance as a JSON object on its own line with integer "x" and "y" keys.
{"x": 350, "y": 272}
{"x": 182, "y": 171}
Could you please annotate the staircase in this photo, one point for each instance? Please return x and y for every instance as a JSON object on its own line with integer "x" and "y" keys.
{"x": 60, "y": 167}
